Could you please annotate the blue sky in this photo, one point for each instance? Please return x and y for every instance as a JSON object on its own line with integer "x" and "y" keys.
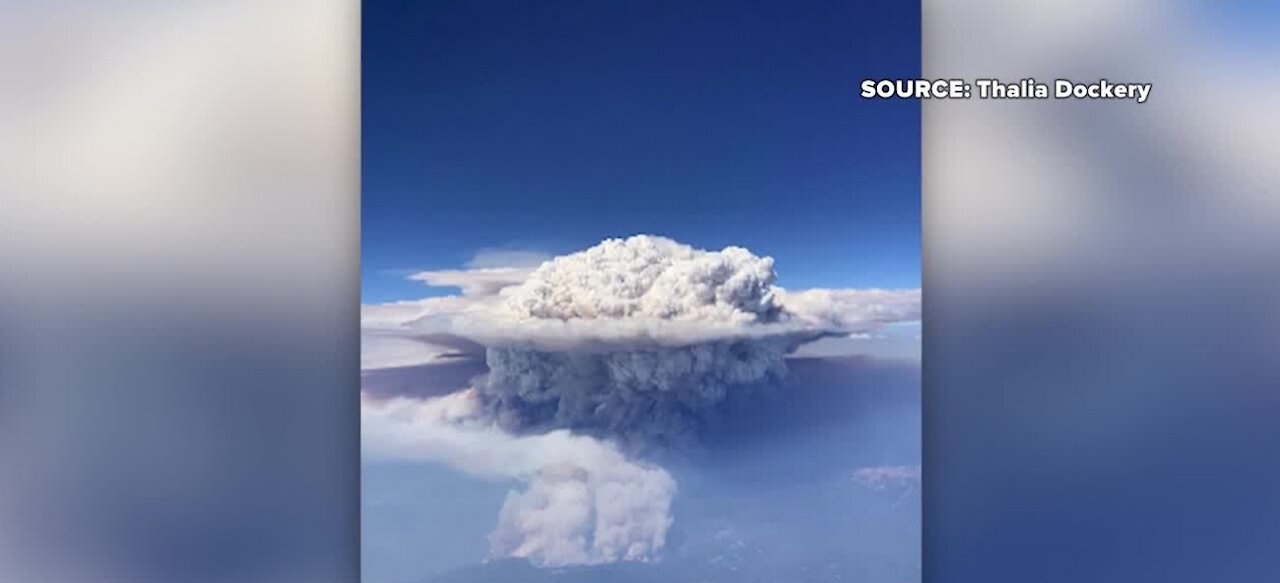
{"x": 549, "y": 126}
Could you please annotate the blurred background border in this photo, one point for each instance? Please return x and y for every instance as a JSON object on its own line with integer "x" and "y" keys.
{"x": 179, "y": 241}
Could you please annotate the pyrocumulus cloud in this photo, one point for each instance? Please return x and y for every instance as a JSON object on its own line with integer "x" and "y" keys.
{"x": 626, "y": 344}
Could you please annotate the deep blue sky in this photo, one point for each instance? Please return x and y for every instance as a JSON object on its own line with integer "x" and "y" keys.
{"x": 552, "y": 125}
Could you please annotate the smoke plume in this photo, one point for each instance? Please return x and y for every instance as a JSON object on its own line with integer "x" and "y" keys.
{"x": 623, "y": 345}
{"x": 633, "y": 338}
{"x": 583, "y": 502}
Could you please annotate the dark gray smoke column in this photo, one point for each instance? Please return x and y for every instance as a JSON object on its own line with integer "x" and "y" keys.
{"x": 652, "y": 395}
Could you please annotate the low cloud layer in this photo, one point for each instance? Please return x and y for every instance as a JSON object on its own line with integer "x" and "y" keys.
{"x": 852, "y": 311}
{"x": 581, "y": 501}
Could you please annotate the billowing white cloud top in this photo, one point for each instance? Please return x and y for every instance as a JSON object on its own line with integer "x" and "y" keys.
{"x": 583, "y": 501}
{"x": 641, "y": 292}
{"x": 647, "y": 277}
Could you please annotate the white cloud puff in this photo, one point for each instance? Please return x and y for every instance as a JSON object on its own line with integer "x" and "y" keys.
{"x": 583, "y": 501}
{"x": 647, "y": 277}
{"x": 880, "y": 478}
